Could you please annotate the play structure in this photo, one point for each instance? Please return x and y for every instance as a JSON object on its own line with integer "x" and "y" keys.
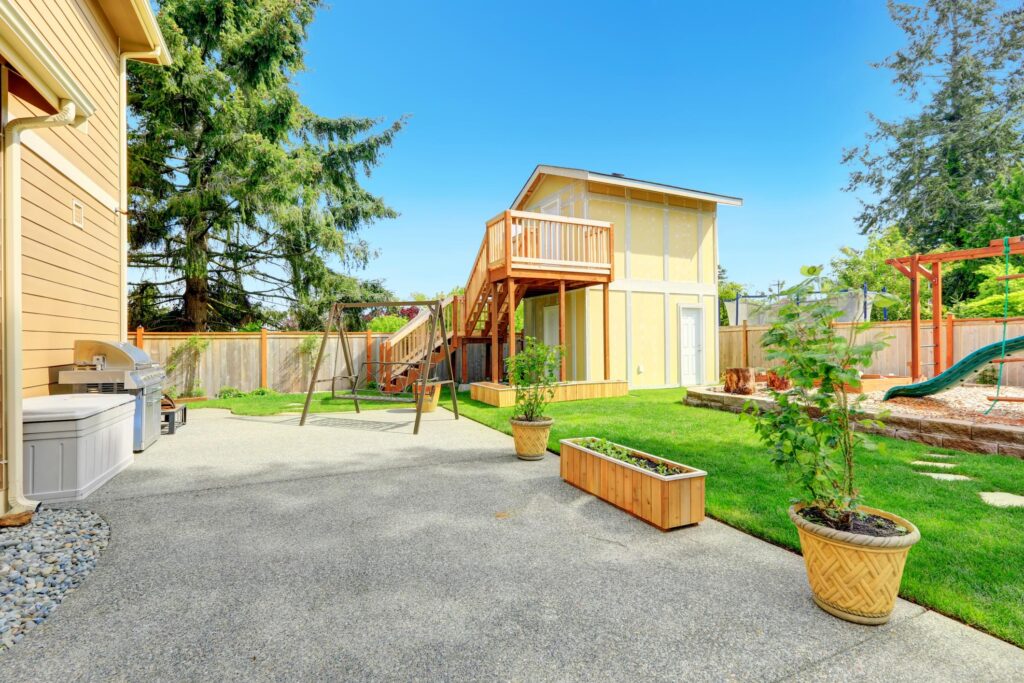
{"x": 416, "y": 363}
{"x": 948, "y": 374}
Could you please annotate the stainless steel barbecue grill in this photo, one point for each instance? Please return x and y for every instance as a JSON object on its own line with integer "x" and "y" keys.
{"x": 104, "y": 367}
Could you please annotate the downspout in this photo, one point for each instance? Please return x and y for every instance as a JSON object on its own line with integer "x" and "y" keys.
{"x": 12, "y": 327}
{"x": 122, "y": 185}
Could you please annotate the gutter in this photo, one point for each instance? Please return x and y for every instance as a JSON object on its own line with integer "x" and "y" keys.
{"x": 12, "y": 294}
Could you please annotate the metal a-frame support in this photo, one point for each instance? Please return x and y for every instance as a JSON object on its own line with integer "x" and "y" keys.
{"x": 336, "y": 318}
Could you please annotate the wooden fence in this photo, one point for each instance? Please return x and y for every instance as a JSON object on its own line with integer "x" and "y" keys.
{"x": 276, "y": 360}
{"x": 740, "y": 346}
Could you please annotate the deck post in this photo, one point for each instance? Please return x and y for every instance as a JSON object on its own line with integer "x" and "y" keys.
{"x": 492, "y": 319}
{"x": 915, "y": 318}
{"x": 937, "y": 340}
{"x": 511, "y": 296}
{"x": 949, "y": 341}
{"x": 607, "y": 336}
{"x": 561, "y": 328}
{"x": 745, "y": 339}
{"x": 140, "y": 336}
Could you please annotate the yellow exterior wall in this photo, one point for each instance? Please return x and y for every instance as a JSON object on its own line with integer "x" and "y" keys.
{"x": 615, "y": 212}
{"x": 709, "y": 247}
{"x": 547, "y": 189}
{"x": 575, "y": 328}
{"x": 682, "y": 245}
{"x": 72, "y": 276}
{"x": 646, "y": 243}
{"x": 647, "y": 321}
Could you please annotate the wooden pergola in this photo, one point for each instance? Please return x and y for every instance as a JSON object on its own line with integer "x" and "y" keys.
{"x": 929, "y": 267}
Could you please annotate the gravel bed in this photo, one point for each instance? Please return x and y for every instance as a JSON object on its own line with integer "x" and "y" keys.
{"x": 41, "y": 562}
{"x": 962, "y": 403}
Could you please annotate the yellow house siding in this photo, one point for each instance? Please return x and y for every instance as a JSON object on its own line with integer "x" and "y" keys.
{"x": 615, "y": 212}
{"x": 646, "y": 230}
{"x": 550, "y": 188}
{"x": 709, "y": 247}
{"x": 682, "y": 244}
{"x": 647, "y": 333}
{"x": 617, "y": 335}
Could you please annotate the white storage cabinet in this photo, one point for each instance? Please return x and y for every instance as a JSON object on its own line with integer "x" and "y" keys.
{"x": 75, "y": 443}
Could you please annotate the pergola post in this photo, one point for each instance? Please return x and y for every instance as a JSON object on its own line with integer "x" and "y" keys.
{"x": 915, "y": 318}
{"x": 937, "y": 337}
{"x": 561, "y": 328}
{"x": 511, "y": 297}
{"x": 607, "y": 336}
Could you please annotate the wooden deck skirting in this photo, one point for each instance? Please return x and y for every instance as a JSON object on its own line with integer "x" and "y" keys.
{"x": 962, "y": 435}
{"x": 504, "y": 396}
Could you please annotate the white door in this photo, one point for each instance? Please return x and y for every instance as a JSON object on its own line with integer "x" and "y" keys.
{"x": 551, "y": 325}
{"x": 690, "y": 347}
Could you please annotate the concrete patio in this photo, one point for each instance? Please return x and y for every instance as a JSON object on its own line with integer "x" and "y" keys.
{"x": 253, "y": 549}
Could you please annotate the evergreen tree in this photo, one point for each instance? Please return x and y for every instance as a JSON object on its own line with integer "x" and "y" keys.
{"x": 242, "y": 197}
{"x": 932, "y": 173}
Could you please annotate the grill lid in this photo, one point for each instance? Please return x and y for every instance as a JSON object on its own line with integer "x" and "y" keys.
{"x": 118, "y": 355}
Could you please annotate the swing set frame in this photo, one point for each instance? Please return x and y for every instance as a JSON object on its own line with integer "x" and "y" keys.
{"x": 336, "y": 320}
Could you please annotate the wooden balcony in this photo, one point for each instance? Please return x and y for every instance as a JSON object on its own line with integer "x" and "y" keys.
{"x": 546, "y": 248}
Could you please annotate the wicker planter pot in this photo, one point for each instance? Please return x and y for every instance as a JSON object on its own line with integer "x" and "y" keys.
{"x": 531, "y": 438}
{"x": 853, "y": 576}
{"x": 666, "y": 502}
{"x": 431, "y": 398}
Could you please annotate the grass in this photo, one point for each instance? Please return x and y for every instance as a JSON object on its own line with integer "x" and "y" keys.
{"x": 969, "y": 563}
{"x": 273, "y": 404}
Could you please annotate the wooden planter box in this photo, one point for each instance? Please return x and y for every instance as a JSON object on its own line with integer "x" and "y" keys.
{"x": 666, "y": 502}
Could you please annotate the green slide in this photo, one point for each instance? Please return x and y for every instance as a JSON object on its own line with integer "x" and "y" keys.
{"x": 961, "y": 371}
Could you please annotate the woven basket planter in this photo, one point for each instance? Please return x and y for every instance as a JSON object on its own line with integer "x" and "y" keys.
{"x": 531, "y": 438}
{"x": 665, "y": 501}
{"x": 853, "y": 576}
{"x": 431, "y": 398}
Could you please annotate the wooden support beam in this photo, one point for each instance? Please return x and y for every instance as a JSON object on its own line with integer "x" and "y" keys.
{"x": 745, "y": 346}
{"x": 263, "y": 357}
{"x": 1006, "y": 399}
{"x": 510, "y": 296}
{"x": 1007, "y": 360}
{"x": 464, "y": 358}
{"x": 937, "y": 337}
{"x": 140, "y": 336}
{"x": 949, "y": 341}
{"x": 607, "y": 336}
{"x": 915, "y": 321}
{"x": 561, "y": 328}
{"x": 1014, "y": 276}
{"x": 495, "y": 345}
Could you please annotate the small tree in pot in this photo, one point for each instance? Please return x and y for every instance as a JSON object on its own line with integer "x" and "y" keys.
{"x": 532, "y": 373}
{"x": 854, "y": 554}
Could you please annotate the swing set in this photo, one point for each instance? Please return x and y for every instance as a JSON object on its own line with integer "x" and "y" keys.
{"x": 948, "y": 374}
{"x": 437, "y": 336}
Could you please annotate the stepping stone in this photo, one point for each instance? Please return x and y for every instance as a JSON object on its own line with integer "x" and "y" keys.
{"x": 1002, "y": 500}
{"x": 941, "y": 456}
{"x": 943, "y": 465}
{"x": 943, "y": 476}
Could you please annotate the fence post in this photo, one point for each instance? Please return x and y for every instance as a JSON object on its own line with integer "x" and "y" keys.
{"x": 263, "y": 358}
{"x": 369, "y": 356}
{"x": 745, "y": 352}
{"x": 140, "y": 336}
{"x": 949, "y": 340}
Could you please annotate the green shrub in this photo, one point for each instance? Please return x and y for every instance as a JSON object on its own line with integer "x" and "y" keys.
{"x": 532, "y": 373}
{"x": 230, "y": 392}
{"x": 387, "y": 324}
{"x": 616, "y": 451}
{"x": 262, "y": 391}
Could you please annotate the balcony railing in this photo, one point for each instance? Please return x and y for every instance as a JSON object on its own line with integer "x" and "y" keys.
{"x": 545, "y": 242}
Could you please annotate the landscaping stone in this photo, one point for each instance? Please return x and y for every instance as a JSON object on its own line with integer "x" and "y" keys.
{"x": 944, "y": 476}
{"x": 942, "y": 456}
{"x": 1002, "y": 500}
{"x": 41, "y": 562}
{"x": 941, "y": 465}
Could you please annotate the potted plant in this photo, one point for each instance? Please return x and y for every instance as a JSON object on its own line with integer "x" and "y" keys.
{"x": 532, "y": 373}
{"x": 854, "y": 555}
{"x": 661, "y": 492}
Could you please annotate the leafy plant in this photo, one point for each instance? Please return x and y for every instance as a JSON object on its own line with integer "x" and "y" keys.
{"x": 186, "y": 356}
{"x": 263, "y": 391}
{"x": 309, "y": 345}
{"x": 618, "y": 452}
{"x": 387, "y": 324}
{"x": 812, "y": 431}
{"x": 532, "y": 373}
{"x": 230, "y": 392}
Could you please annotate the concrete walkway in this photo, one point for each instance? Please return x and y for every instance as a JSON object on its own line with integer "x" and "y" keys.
{"x": 250, "y": 549}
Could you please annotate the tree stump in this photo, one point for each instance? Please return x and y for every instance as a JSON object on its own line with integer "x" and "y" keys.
{"x": 778, "y": 383}
{"x": 739, "y": 381}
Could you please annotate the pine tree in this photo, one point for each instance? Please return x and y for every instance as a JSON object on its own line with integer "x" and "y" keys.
{"x": 240, "y": 195}
{"x": 932, "y": 174}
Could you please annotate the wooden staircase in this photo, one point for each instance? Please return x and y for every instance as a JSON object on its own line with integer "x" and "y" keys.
{"x": 521, "y": 253}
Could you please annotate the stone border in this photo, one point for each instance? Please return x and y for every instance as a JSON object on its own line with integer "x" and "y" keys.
{"x": 960, "y": 435}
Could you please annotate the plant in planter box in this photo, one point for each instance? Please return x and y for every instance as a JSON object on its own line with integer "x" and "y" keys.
{"x": 532, "y": 373}
{"x": 854, "y": 554}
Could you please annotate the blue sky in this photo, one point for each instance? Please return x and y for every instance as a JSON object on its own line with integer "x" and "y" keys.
{"x": 752, "y": 99}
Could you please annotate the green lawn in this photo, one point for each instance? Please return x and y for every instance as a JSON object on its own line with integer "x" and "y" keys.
{"x": 273, "y": 404}
{"x": 969, "y": 563}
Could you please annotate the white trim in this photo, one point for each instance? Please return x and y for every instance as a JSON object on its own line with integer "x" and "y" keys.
{"x": 581, "y": 174}
{"x": 668, "y": 339}
{"x": 666, "y": 240}
{"x": 700, "y": 246}
{"x": 661, "y": 287}
{"x": 586, "y": 333}
{"x": 22, "y": 46}
{"x": 629, "y": 338}
{"x": 34, "y": 141}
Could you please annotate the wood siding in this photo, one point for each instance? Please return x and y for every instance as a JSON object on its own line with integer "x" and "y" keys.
{"x": 71, "y": 275}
